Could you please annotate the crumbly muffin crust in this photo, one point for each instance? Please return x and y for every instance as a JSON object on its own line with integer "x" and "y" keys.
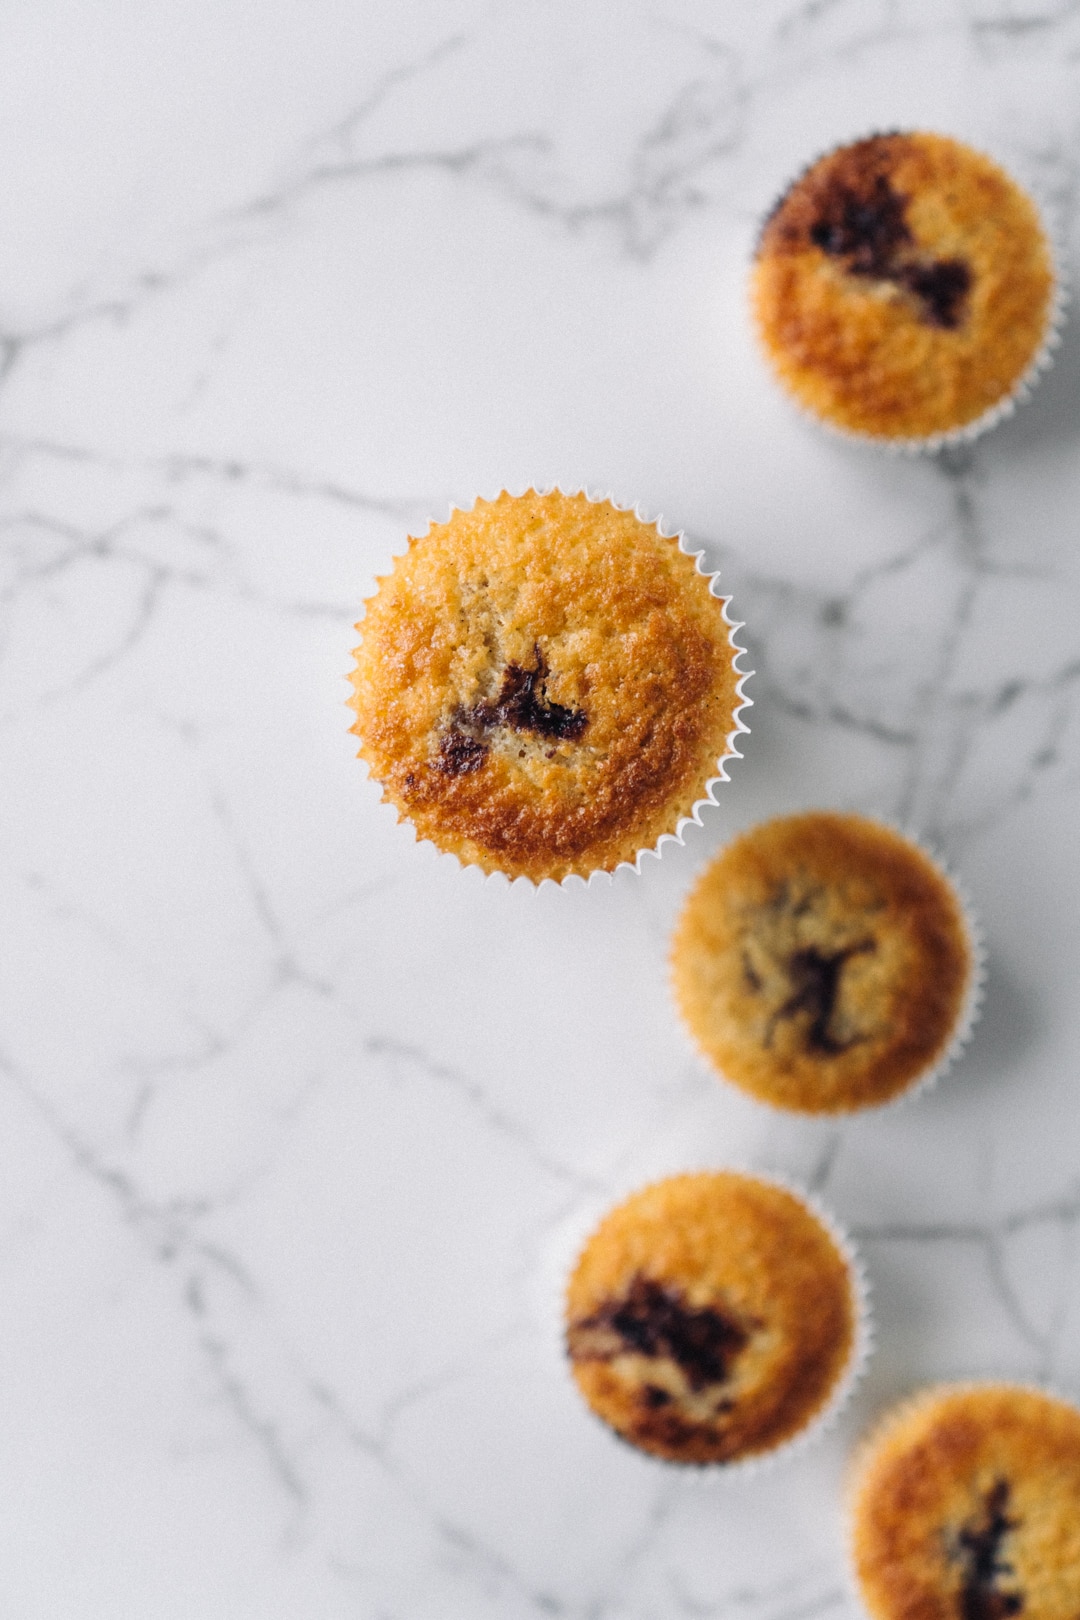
{"x": 710, "y": 1317}
{"x": 903, "y": 286}
{"x": 823, "y": 962}
{"x": 966, "y": 1506}
{"x": 544, "y": 685}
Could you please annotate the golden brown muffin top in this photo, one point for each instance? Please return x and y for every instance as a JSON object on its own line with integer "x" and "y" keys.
{"x": 966, "y": 1506}
{"x": 903, "y": 286}
{"x": 710, "y": 1317}
{"x": 544, "y": 685}
{"x": 823, "y": 962}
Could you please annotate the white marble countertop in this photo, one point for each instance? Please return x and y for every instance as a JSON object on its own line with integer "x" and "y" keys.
{"x": 296, "y": 1115}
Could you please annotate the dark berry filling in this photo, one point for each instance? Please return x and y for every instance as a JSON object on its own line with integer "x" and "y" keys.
{"x": 460, "y": 753}
{"x": 652, "y": 1319}
{"x": 979, "y": 1551}
{"x": 521, "y": 705}
{"x": 866, "y": 227}
{"x": 653, "y": 1397}
{"x": 941, "y": 288}
{"x": 815, "y": 989}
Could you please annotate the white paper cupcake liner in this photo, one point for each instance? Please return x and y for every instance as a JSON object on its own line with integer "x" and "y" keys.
{"x": 581, "y": 1229}
{"x": 966, "y": 1019}
{"x": 933, "y": 443}
{"x": 895, "y": 1415}
{"x": 739, "y": 727}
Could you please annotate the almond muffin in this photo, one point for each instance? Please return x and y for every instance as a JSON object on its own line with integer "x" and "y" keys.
{"x": 824, "y": 963}
{"x": 904, "y": 289}
{"x": 966, "y": 1506}
{"x": 711, "y": 1318}
{"x": 545, "y": 685}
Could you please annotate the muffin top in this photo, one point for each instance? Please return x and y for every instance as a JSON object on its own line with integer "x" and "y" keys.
{"x": 966, "y": 1506}
{"x": 545, "y": 685}
{"x": 903, "y": 287}
{"x": 710, "y": 1317}
{"x": 823, "y": 963}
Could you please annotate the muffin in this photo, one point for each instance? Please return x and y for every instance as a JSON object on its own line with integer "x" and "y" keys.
{"x": 904, "y": 289}
{"x": 966, "y": 1506}
{"x": 545, "y": 685}
{"x": 711, "y": 1318}
{"x": 824, "y": 963}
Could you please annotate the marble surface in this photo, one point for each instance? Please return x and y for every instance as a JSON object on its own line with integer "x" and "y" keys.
{"x": 296, "y": 1116}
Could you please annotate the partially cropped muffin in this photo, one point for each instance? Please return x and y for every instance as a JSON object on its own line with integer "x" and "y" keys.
{"x": 545, "y": 685}
{"x": 966, "y": 1506}
{"x": 904, "y": 288}
{"x": 824, "y": 963}
{"x": 711, "y": 1318}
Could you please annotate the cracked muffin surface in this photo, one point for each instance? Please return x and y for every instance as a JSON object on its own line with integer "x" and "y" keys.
{"x": 710, "y": 1318}
{"x": 903, "y": 286}
{"x": 965, "y": 1505}
{"x": 544, "y": 685}
{"x": 823, "y": 963}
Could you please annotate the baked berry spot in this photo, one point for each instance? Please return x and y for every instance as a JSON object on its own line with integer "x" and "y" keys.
{"x": 867, "y": 228}
{"x": 651, "y": 1319}
{"x": 941, "y": 288}
{"x": 979, "y": 1551}
{"x": 815, "y": 989}
{"x": 521, "y": 705}
{"x": 460, "y": 753}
